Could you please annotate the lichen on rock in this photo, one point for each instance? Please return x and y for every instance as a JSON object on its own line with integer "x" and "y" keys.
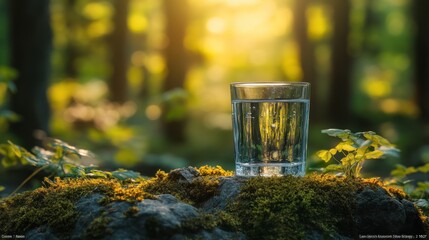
{"x": 210, "y": 203}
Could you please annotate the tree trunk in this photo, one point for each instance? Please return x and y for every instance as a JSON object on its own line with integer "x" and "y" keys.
{"x": 71, "y": 51}
{"x": 421, "y": 52}
{"x": 31, "y": 45}
{"x": 119, "y": 58}
{"x": 339, "y": 97}
{"x": 4, "y": 30}
{"x": 306, "y": 54}
{"x": 176, "y": 60}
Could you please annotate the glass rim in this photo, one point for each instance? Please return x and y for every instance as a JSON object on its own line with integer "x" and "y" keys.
{"x": 268, "y": 84}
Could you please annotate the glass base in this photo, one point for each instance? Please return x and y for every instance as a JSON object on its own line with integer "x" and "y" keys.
{"x": 269, "y": 169}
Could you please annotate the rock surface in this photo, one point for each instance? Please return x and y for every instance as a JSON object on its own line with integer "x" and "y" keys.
{"x": 380, "y": 213}
{"x": 376, "y": 211}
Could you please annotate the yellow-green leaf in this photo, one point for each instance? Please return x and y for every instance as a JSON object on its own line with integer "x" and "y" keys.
{"x": 374, "y": 154}
{"x": 348, "y": 160}
{"x": 399, "y": 171}
{"x": 424, "y": 168}
{"x": 333, "y": 151}
{"x": 16, "y": 150}
{"x": 347, "y": 146}
{"x": 360, "y": 152}
{"x": 325, "y": 155}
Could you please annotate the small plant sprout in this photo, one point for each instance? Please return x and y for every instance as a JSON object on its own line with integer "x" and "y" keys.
{"x": 354, "y": 148}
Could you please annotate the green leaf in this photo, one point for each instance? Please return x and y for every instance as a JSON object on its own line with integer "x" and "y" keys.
{"x": 7, "y": 74}
{"x": 77, "y": 171}
{"x": 325, "y": 155}
{"x": 2, "y": 188}
{"x": 390, "y": 151}
{"x": 9, "y": 115}
{"x": 399, "y": 171}
{"x": 340, "y": 133}
{"x": 376, "y": 154}
{"x": 98, "y": 174}
{"x": 68, "y": 149}
{"x": 382, "y": 141}
{"x": 123, "y": 174}
{"x": 365, "y": 143}
{"x": 422, "y": 203}
{"x": 423, "y": 186}
{"x": 409, "y": 188}
{"x": 424, "y": 168}
{"x": 16, "y": 149}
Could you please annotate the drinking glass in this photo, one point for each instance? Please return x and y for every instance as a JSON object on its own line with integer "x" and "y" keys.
{"x": 270, "y": 127}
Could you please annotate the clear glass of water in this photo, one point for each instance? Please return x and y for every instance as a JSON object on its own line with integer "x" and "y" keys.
{"x": 270, "y": 125}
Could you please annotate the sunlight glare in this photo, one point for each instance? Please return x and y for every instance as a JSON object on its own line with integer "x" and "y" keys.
{"x": 138, "y": 58}
{"x": 216, "y": 25}
{"x": 135, "y": 78}
{"x": 97, "y": 10}
{"x": 291, "y": 66}
{"x": 397, "y": 106}
{"x": 153, "y": 112}
{"x": 376, "y": 87}
{"x": 220, "y": 120}
{"x": 137, "y": 23}
{"x": 99, "y": 28}
{"x": 235, "y": 3}
{"x": 318, "y": 25}
{"x": 155, "y": 63}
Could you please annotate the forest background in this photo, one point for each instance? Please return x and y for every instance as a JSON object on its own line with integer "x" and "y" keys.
{"x": 144, "y": 84}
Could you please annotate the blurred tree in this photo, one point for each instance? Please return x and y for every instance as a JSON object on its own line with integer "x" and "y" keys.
{"x": 119, "y": 58}
{"x": 306, "y": 51}
{"x": 4, "y": 32}
{"x": 421, "y": 51}
{"x": 71, "y": 52}
{"x": 31, "y": 45}
{"x": 176, "y": 13}
{"x": 339, "y": 97}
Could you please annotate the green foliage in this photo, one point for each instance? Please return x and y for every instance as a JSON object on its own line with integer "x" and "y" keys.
{"x": 7, "y": 75}
{"x": 354, "y": 148}
{"x": 61, "y": 159}
{"x": 175, "y": 101}
{"x": 419, "y": 191}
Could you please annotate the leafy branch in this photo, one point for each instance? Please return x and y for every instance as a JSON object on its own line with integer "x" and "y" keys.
{"x": 354, "y": 148}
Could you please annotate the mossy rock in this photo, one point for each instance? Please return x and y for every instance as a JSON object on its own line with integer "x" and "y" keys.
{"x": 210, "y": 203}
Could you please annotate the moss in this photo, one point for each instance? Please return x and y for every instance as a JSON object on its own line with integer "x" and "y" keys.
{"x": 272, "y": 208}
{"x": 266, "y": 208}
{"x": 98, "y": 228}
{"x": 193, "y": 192}
{"x": 132, "y": 211}
{"x": 209, "y": 221}
{"x": 54, "y": 204}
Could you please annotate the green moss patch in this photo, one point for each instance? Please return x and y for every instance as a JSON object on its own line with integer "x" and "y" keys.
{"x": 196, "y": 191}
{"x": 54, "y": 204}
{"x": 288, "y": 207}
{"x": 266, "y": 208}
